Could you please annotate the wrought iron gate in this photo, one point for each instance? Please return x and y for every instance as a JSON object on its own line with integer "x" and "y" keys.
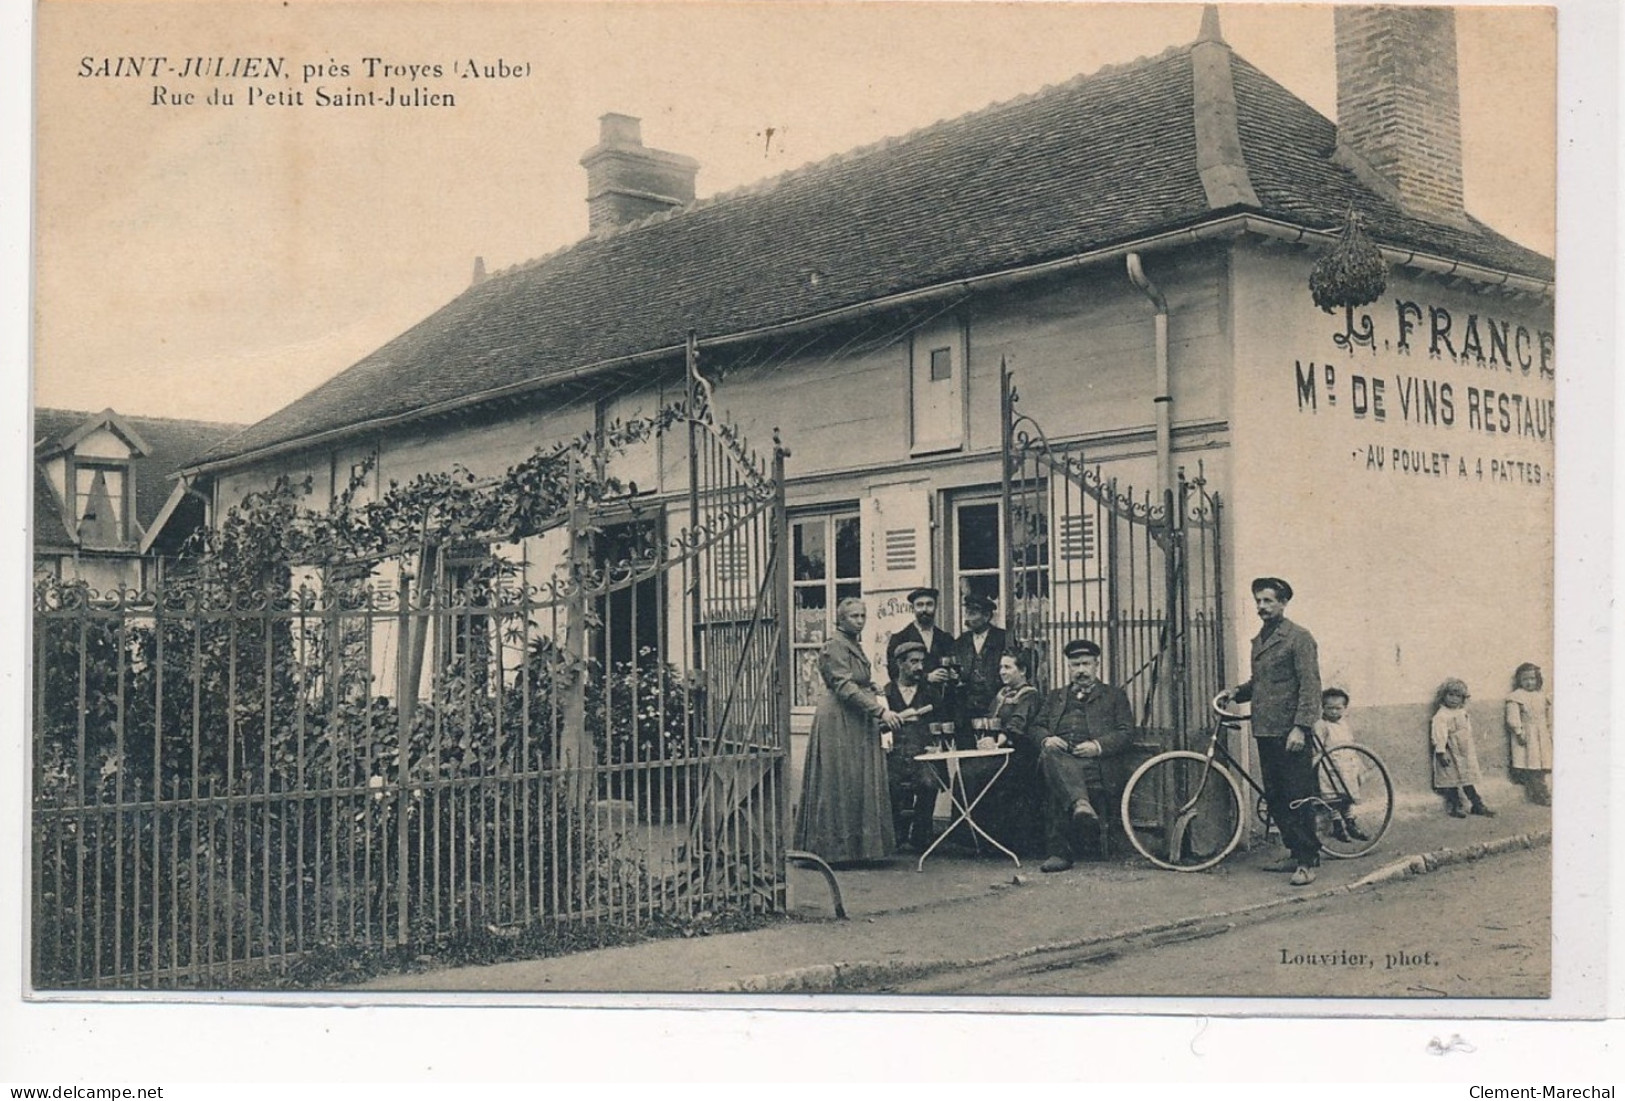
{"x": 427, "y": 748}
{"x": 1136, "y": 571}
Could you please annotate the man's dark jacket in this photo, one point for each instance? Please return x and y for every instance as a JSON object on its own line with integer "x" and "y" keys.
{"x": 978, "y": 673}
{"x": 1285, "y": 686}
{"x": 1100, "y": 713}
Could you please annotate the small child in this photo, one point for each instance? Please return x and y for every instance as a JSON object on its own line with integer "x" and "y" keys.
{"x": 1331, "y": 730}
{"x": 1455, "y": 757}
{"x": 1529, "y": 733}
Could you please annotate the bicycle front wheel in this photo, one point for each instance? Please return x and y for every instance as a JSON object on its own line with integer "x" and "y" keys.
{"x": 1355, "y": 803}
{"x": 1183, "y": 812}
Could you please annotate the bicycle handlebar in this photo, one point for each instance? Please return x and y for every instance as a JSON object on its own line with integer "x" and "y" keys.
{"x": 1221, "y": 713}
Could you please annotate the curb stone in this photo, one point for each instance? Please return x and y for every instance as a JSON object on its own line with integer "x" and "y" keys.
{"x": 825, "y": 978}
{"x": 1424, "y": 863}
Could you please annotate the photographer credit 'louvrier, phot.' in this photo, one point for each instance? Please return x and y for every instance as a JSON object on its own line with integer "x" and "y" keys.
{"x": 519, "y": 626}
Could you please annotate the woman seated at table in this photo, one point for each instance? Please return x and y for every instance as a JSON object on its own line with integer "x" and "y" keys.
{"x": 1017, "y": 816}
{"x": 1012, "y": 811}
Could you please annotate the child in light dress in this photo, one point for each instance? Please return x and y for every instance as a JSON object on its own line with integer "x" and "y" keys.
{"x": 1529, "y": 733}
{"x": 1333, "y": 730}
{"x": 1455, "y": 756}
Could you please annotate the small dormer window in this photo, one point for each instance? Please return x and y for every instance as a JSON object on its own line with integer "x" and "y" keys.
{"x": 101, "y": 503}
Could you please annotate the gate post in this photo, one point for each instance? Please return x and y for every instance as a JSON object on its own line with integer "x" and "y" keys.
{"x": 1018, "y": 630}
{"x": 694, "y": 396}
{"x": 406, "y": 694}
{"x": 783, "y": 659}
{"x": 1178, "y": 619}
{"x": 575, "y": 741}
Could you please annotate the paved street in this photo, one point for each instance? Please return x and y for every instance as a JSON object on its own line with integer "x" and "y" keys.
{"x": 969, "y": 916}
{"x": 1460, "y": 932}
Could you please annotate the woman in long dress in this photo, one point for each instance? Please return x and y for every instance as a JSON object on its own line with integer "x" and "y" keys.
{"x": 845, "y": 811}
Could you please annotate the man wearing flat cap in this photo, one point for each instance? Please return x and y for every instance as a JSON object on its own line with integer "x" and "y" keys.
{"x": 938, "y": 644}
{"x": 1084, "y": 729}
{"x": 918, "y": 703}
{"x": 977, "y": 652}
{"x": 1285, "y": 694}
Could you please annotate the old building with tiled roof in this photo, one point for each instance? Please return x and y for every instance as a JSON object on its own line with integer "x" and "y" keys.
{"x": 1107, "y": 159}
{"x": 1132, "y": 249}
{"x": 107, "y": 510}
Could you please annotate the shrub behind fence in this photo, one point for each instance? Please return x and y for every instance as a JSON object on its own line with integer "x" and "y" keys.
{"x": 220, "y": 783}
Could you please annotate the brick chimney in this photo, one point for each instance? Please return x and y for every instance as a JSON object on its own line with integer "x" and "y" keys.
{"x": 626, "y": 181}
{"x": 1399, "y": 107}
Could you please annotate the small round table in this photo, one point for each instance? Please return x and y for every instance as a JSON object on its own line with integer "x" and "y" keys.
{"x": 952, "y": 781}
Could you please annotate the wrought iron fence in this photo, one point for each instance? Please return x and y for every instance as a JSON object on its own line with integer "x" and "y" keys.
{"x": 1139, "y": 572}
{"x": 223, "y": 781}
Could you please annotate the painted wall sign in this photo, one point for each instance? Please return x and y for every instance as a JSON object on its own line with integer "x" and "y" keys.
{"x": 1474, "y": 375}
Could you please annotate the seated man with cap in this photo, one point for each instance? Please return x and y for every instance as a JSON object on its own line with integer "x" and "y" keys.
{"x": 1083, "y": 729}
{"x": 913, "y": 790}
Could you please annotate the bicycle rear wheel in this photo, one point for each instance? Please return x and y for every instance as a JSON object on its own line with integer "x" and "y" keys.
{"x": 1355, "y": 803}
{"x": 1182, "y": 812}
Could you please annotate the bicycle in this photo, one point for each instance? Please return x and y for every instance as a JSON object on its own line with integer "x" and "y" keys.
{"x": 1182, "y": 810}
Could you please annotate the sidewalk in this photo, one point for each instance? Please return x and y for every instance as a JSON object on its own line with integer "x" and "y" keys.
{"x": 964, "y": 911}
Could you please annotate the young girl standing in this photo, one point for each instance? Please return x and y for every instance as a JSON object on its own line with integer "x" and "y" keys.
{"x": 1455, "y": 757}
{"x": 1529, "y": 731}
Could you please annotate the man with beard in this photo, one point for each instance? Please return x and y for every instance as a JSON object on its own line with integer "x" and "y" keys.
{"x": 1083, "y": 729}
{"x": 913, "y": 790}
{"x": 937, "y": 643}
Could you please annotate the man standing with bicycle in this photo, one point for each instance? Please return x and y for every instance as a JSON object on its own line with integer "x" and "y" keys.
{"x": 1285, "y": 694}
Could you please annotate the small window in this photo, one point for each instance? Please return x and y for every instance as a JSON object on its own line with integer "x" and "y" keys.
{"x": 828, "y": 569}
{"x": 100, "y": 504}
{"x": 937, "y": 389}
{"x": 982, "y": 544}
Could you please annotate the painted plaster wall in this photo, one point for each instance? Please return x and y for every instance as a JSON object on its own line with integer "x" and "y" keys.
{"x": 1419, "y": 549}
{"x": 102, "y": 444}
{"x": 105, "y": 575}
{"x": 836, "y": 413}
{"x": 232, "y": 487}
{"x": 1081, "y": 351}
{"x": 487, "y": 446}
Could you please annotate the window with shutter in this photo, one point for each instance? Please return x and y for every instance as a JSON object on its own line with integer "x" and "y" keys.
{"x": 937, "y": 388}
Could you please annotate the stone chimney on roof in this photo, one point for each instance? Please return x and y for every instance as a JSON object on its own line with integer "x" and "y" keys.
{"x": 627, "y": 181}
{"x": 1399, "y": 106}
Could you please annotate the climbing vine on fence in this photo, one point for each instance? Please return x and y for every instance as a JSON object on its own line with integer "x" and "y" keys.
{"x": 235, "y": 674}
{"x": 270, "y": 530}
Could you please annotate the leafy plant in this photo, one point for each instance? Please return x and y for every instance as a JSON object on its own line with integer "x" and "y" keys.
{"x": 1352, "y": 273}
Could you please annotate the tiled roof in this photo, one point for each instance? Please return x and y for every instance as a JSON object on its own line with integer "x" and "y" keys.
{"x": 1289, "y": 145}
{"x": 172, "y": 444}
{"x": 1097, "y": 161}
{"x": 49, "y": 531}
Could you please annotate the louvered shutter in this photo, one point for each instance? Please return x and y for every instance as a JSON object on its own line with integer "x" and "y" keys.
{"x": 897, "y": 538}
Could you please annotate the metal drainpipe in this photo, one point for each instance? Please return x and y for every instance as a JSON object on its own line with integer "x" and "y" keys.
{"x": 1161, "y": 400}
